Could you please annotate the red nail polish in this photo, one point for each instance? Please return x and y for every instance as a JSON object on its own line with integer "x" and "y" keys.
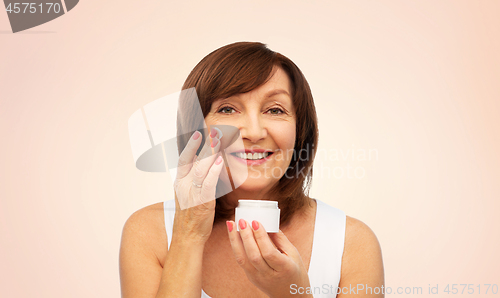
{"x": 218, "y": 160}
{"x": 229, "y": 226}
{"x": 243, "y": 224}
{"x": 214, "y": 142}
{"x": 196, "y": 135}
{"x": 255, "y": 225}
{"x": 213, "y": 132}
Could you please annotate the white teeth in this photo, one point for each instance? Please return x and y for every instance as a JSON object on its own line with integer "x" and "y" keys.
{"x": 253, "y": 156}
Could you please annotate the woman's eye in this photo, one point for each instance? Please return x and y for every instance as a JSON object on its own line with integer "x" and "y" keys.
{"x": 275, "y": 111}
{"x": 226, "y": 110}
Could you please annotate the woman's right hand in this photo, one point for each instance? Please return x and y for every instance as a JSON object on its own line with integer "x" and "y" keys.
{"x": 194, "y": 188}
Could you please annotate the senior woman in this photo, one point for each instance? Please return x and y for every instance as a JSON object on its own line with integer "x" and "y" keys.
{"x": 198, "y": 251}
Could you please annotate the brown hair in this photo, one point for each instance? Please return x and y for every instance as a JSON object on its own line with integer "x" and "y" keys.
{"x": 241, "y": 67}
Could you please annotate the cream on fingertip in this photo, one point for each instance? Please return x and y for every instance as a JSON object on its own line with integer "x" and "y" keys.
{"x": 219, "y": 132}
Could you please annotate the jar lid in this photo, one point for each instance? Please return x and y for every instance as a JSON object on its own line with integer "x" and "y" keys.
{"x": 257, "y": 204}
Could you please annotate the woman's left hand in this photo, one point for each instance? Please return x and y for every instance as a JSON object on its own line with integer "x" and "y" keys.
{"x": 271, "y": 262}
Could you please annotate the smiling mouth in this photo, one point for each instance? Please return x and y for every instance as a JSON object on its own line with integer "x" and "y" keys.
{"x": 252, "y": 156}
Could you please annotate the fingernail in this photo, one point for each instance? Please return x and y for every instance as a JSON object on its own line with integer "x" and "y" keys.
{"x": 196, "y": 135}
{"x": 213, "y": 132}
{"x": 217, "y": 162}
{"x": 255, "y": 225}
{"x": 229, "y": 226}
{"x": 215, "y": 141}
{"x": 243, "y": 224}
{"x": 219, "y": 133}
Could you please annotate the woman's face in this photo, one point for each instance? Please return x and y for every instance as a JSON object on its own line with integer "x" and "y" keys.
{"x": 266, "y": 120}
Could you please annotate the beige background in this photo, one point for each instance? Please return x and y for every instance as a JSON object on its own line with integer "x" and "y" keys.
{"x": 416, "y": 82}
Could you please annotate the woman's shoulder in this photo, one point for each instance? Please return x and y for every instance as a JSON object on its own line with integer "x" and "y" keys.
{"x": 361, "y": 248}
{"x": 147, "y": 227}
{"x": 147, "y": 217}
{"x": 357, "y": 232}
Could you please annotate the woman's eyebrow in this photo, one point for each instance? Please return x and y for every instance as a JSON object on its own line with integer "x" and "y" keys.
{"x": 269, "y": 94}
{"x": 221, "y": 100}
{"x": 276, "y": 92}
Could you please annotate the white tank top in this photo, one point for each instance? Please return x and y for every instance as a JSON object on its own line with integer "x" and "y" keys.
{"x": 327, "y": 249}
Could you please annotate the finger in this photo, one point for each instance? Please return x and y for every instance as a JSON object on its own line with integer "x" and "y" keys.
{"x": 201, "y": 167}
{"x": 181, "y": 204}
{"x": 273, "y": 257}
{"x": 185, "y": 159}
{"x": 210, "y": 182}
{"x": 238, "y": 248}
{"x": 251, "y": 248}
{"x": 284, "y": 245}
{"x": 208, "y": 148}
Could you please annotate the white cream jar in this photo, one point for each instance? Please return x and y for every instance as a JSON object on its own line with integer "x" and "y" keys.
{"x": 265, "y": 212}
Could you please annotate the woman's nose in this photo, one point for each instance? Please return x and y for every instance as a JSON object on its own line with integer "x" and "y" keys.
{"x": 253, "y": 128}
